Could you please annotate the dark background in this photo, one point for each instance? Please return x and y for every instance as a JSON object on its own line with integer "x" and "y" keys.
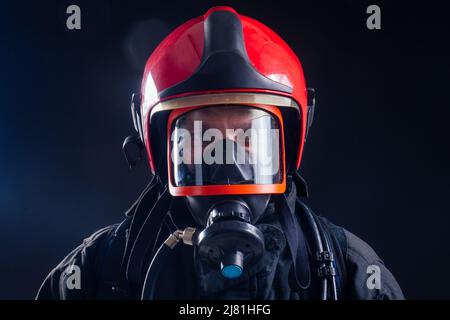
{"x": 376, "y": 159}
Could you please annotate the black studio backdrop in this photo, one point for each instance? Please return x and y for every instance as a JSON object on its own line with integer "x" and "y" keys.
{"x": 376, "y": 159}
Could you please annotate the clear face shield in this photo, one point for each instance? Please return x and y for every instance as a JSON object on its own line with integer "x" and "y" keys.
{"x": 226, "y": 146}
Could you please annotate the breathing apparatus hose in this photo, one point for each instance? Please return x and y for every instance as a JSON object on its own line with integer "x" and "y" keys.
{"x": 327, "y": 248}
{"x": 158, "y": 261}
{"x": 322, "y": 245}
{"x": 319, "y": 248}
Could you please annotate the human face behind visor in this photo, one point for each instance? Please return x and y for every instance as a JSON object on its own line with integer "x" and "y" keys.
{"x": 226, "y": 149}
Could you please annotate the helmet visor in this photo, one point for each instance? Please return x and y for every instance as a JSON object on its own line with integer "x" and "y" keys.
{"x": 225, "y": 145}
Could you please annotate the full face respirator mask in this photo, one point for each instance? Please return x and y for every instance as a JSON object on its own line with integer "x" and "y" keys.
{"x": 213, "y": 150}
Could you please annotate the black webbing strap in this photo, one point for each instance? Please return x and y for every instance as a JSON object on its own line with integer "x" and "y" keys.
{"x": 297, "y": 244}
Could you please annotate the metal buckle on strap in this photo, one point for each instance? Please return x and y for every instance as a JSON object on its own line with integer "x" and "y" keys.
{"x": 325, "y": 256}
{"x": 326, "y": 271}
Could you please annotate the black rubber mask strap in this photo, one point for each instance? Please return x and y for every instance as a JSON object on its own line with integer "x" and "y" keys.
{"x": 297, "y": 244}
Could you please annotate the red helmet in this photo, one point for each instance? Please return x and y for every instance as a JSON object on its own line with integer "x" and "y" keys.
{"x": 222, "y": 58}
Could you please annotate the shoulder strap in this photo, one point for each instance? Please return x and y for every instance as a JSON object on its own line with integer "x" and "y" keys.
{"x": 297, "y": 246}
{"x": 112, "y": 257}
{"x": 110, "y": 284}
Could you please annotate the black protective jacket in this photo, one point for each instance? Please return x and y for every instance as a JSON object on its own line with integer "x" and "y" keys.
{"x": 112, "y": 266}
